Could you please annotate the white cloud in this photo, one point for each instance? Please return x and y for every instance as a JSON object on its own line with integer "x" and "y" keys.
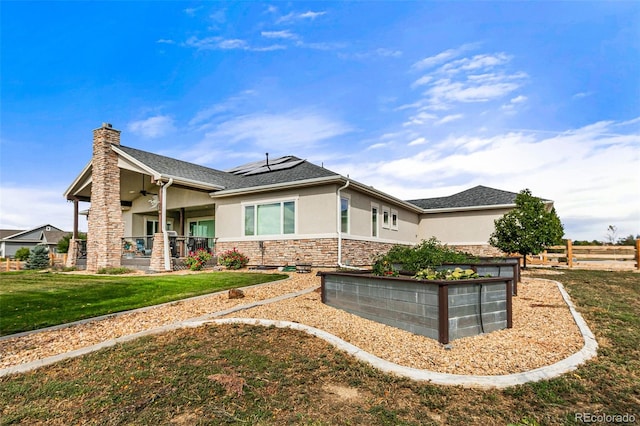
{"x": 449, "y": 118}
{"x": 17, "y": 208}
{"x": 418, "y": 141}
{"x": 233, "y": 44}
{"x": 518, "y": 99}
{"x": 575, "y": 168}
{"x": 442, "y": 57}
{"x": 219, "y": 43}
{"x": 294, "y": 16}
{"x": 284, "y": 34}
{"x": 152, "y": 127}
{"x": 165, "y": 41}
{"x": 274, "y": 132}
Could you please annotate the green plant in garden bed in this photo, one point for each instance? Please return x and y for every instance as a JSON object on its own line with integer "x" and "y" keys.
{"x": 428, "y": 254}
{"x": 448, "y": 274}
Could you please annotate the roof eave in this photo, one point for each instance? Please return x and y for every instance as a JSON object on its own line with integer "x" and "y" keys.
{"x": 468, "y": 208}
{"x": 284, "y": 185}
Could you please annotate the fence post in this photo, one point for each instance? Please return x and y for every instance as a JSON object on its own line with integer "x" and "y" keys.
{"x": 569, "y": 254}
{"x": 638, "y": 253}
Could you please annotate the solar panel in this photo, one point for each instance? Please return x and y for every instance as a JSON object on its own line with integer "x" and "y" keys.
{"x": 261, "y": 166}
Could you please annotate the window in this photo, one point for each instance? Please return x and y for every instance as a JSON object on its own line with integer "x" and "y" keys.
{"x": 270, "y": 218}
{"x": 344, "y": 215}
{"x": 153, "y": 226}
{"x": 394, "y": 219}
{"x": 374, "y": 221}
{"x": 202, "y": 228}
{"x": 385, "y": 217}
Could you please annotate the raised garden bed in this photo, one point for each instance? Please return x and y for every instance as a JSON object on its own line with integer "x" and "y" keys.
{"x": 440, "y": 309}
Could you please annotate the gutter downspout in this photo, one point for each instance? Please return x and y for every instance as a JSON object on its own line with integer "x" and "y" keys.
{"x": 165, "y": 236}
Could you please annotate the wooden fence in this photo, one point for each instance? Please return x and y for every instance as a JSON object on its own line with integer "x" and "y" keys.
{"x": 589, "y": 257}
{"x": 55, "y": 259}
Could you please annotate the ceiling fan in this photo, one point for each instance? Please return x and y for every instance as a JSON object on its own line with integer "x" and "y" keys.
{"x": 143, "y": 191}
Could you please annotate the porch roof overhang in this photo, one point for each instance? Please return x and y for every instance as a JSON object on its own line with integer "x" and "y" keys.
{"x": 80, "y": 188}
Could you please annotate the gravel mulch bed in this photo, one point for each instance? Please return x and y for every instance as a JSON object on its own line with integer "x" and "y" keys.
{"x": 543, "y": 332}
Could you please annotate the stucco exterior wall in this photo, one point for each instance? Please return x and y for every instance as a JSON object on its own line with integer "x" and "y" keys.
{"x": 460, "y": 228}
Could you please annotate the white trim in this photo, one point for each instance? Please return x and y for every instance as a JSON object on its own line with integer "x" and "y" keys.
{"x": 78, "y": 179}
{"x": 348, "y": 198}
{"x": 377, "y": 207}
{"x": 471, "y": 208}
{"x": 391, "y": 224}
{"x": 387, "y": 224}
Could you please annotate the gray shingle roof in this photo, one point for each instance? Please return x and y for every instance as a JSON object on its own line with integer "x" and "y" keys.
{"x": 473, "y": 197}
{"x": 299, "y": 170}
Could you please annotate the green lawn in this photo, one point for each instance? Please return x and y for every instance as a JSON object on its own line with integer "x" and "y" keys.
{"x": 239, "y": 375}
{"x": 32, "y": 300}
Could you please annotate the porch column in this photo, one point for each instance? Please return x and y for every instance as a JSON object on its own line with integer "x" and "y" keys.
{"x": 72, "y": 251}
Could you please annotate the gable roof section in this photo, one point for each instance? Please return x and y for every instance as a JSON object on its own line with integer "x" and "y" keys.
{"x": 476, "y": 197}
{"x": 182, "y": 171}
{"x": 33, "y": 234}
{"x": 4, "y": 233}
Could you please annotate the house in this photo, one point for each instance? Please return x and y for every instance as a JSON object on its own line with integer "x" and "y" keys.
{"x": 13, "y": 240}
{"x": 277, "y": 211}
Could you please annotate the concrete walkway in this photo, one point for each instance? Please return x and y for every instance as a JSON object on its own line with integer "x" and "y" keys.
{"x": 588, "y": 351}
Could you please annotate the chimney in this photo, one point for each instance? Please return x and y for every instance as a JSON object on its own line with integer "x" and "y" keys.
{"x": 106, "y": 227}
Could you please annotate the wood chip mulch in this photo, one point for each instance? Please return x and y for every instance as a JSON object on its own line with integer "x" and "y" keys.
{"x": 543, "y": 332}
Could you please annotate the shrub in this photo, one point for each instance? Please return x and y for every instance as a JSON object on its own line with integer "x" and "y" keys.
{"x": 198, "y": 259}
{"x": 22, "y": 253}
{"x": 39, "y": 258}
{"x": 233, "y": 259}
{"x": 113, "y": 271}
{"x": 428, "y": 253}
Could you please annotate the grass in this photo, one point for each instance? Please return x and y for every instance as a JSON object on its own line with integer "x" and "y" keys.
{"x": 31, "y": 300}
{"x": 266, "y": 376}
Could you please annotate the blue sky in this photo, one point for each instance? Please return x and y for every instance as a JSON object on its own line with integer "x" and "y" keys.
{"x": 419, "y": 99}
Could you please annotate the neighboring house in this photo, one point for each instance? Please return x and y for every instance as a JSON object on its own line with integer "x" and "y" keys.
{"x": 13, "y": 240}
{"x": 277, "y": 211}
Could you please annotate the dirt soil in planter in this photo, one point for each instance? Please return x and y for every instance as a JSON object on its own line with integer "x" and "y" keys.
{"x": 543, "y": 330}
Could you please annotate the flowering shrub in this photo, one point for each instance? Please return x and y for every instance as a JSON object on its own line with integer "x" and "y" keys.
{"x": 233, "y": 259}
{"x": 198, "y": 259}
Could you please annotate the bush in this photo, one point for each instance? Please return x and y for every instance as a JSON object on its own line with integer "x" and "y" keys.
{"x": 429, "y": 253}
{"x": 114, "y": 271}
{"x": 39, "y": 258}
{"x": 198, "y": 259}
{"x": 233, "y": 259}
{"x": 22, "y": 253}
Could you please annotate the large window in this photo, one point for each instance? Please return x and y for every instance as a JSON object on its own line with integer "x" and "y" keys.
{"x": 344, "y": 215}
{"x": 270, "y": 218}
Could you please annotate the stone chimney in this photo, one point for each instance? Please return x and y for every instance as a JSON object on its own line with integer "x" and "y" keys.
{"x": 106, "y": 228}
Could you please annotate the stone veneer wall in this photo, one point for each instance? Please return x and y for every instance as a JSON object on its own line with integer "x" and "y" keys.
{"x": 157, "y": 253}
{"x": 318, "y": 252}
{"x": 481, "y": 250}
{"x": 105, "y": 229}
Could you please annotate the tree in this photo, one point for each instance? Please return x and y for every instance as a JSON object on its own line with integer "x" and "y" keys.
{"x": 39, "y": 258}
{"x": 612, "y": 234}
{"x": 63, "y": 244}
{"x": 22, "y": 253}
{"x": 527, "y": 229}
